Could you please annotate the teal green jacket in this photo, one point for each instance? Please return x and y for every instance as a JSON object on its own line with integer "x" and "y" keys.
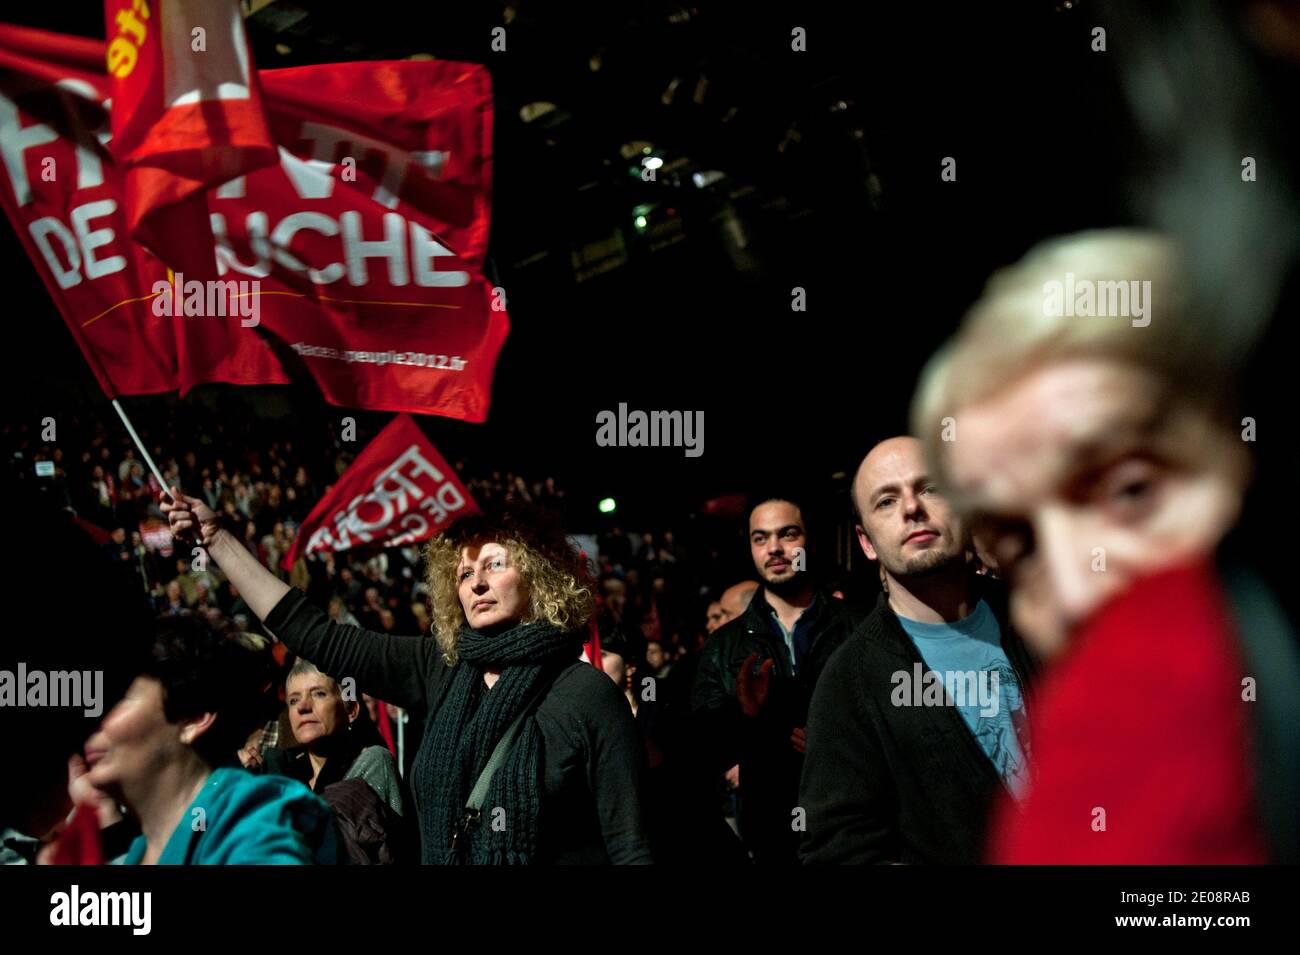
{"x": 241, "y": 819}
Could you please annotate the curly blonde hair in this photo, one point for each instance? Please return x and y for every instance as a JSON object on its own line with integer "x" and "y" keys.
{"x": 554, "y": 574}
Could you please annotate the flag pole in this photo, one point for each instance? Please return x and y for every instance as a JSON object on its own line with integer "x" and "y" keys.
{"x": 130, "y": 429}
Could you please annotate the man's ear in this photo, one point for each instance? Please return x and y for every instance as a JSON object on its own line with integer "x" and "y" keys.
{"x": 196, "y": 726}
{"x": 865, "y": 542}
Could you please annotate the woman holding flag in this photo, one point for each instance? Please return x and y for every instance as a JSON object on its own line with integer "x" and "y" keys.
{"x": 529, "y": 755}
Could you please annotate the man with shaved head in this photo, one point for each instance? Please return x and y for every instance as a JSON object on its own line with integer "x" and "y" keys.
{"x": 735, "y": 599}
{"x": 757, "y": 673}
{"x": 919, "y": 719}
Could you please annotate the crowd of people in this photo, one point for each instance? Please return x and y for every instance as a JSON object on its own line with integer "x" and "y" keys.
{"x": 1070, "y": 658}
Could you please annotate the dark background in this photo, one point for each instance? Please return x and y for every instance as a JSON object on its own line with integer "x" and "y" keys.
{"x": 831, "y": 182}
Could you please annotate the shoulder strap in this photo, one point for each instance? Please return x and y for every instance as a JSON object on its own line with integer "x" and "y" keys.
{"x": 479, "y": 792}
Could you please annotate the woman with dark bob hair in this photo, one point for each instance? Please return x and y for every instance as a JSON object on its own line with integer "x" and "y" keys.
{"x": 509, "y": 607}
{"x": 167, "y": 752}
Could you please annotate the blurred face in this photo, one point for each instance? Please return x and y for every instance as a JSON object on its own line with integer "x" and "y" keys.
{"x": 615, "y": 596}
{"x": 493, "y": 595}
{"x": 615, "y": 668}
{"x": 715, "y": 616}
{"x": 904, "y": 522}
{"x": 776, "y": 540}
{"x": 1085, "y": 474}
{"x": 317, "y": 708}
{"x": 135, "y": 741}
{"x": 173, "y": 592}
{"x": 655, "y": 656}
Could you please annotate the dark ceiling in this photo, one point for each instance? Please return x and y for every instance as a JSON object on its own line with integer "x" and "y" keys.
{"x": 780, "y": 169}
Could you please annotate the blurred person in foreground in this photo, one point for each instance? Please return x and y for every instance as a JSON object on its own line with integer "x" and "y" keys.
{"x": 1102, "y": 459}
{"x": 510, "y": 610}
{"x": 166, "y": 751}
{"x": 41, "y": 740}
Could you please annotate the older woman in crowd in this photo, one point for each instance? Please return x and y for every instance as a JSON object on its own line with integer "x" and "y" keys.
{"x": 340, "y": 756}
{"x": 509, "y": 610}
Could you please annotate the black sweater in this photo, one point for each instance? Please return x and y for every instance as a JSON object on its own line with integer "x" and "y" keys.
{"x": 591, "y": 755}
{"x": 884, "y": 783}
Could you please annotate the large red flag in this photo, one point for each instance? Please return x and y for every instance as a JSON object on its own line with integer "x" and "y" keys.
{"x": 356, "y": 257}
{"x": 398, "y": 491}
{"x": 187, "y": 116}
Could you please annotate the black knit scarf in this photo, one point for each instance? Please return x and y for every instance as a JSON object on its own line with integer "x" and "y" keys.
{"x": 464, "y": 729}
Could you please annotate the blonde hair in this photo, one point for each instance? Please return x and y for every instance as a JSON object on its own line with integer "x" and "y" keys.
{"x": 1010, "y": 330}
{"x": 558, "y": 591}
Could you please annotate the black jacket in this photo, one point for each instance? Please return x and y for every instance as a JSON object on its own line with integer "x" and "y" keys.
{"x": 372, "y": 832}
{"x": 769, "y": 765}
{"x": 885, "y": 783}
{"x": 592, "y": 757}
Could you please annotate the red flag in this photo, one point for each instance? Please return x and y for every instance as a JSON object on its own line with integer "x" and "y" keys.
{"x": 591, "y": 646}
{"x": 79, "y": 842}
{"x": 385, "y": 726}
{"x": 398, "y": 491}
{"x": 187, "y": 116}
{"x": 356, "y": 257}
{"x": 1165, "y": 749}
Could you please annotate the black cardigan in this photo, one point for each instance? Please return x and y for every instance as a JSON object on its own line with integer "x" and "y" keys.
{"x": 884, "y": 783}
{"x": 591, "y": 755}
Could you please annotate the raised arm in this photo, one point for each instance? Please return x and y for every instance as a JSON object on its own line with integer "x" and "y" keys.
{"x": 395, "y": 668}
{"x": 192, "y": 520}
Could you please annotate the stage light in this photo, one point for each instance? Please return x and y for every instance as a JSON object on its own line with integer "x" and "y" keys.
{"x": 652, "y": 162}
{"x": 530, "y": 112}
{"x": 607, "y": 505}
{"x": 640, "y": 222}
{"x": 706, "y": 178}
{"x": 635, "y": 147}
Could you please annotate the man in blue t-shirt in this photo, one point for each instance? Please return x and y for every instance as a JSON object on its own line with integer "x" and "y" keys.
{"x": 918, "y": 722}
{"x": 978, "y": 679}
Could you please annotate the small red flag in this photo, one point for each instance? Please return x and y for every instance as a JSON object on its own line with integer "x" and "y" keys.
{"x": 398, "y": 491}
